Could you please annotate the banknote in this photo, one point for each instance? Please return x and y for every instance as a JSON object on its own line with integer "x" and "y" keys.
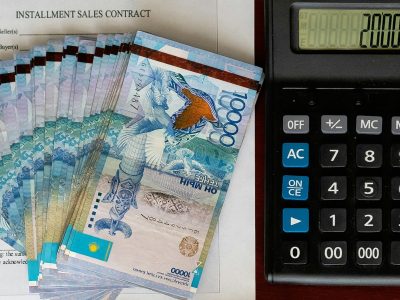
{"x": 11, "y": 202}
{"x": 169, "y": 151}
{"x": 54, "y": 57}
{"x": 55, "y": 202}
{"x": 116, "y": 154}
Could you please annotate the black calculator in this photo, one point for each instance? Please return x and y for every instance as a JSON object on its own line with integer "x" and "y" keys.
{"x": 333, "y": 141}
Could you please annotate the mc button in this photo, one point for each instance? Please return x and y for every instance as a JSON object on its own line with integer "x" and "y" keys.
{"x": 295, "y": 155}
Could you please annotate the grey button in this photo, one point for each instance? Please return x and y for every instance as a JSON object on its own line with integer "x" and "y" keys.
{"x": 396, "y": 125}
{"x": 369, "y": 125}
{"x": 294, "y": 124}
{"x": 334, "y": 124}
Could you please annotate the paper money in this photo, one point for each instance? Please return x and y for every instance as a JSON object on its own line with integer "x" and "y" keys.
{"x": 116, "y": 155}
{"x": 164, "y": 169}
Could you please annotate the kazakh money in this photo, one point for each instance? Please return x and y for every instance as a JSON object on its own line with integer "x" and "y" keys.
{"x": 116, "y": 155}
{"x": 168, "y": 154}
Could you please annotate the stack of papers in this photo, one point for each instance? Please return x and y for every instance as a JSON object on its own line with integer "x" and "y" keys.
{"x": 116, "y": 156}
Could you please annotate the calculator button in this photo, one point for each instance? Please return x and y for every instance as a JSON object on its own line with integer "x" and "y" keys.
{"x": 293, "y": 124}
{"x": 333, "y": 155}
{"x": 396, "y": 125}
{"x": 369, "y": 188}
{"x": 369, "y": 220}
{"x": 334, "y": 124}
{"x": 395, "y": 253}
{"x": 333, "y": 187}
{"x": 395, "y": 188}
{"x": 395, "y": 220}
{"x": 295, "y": 220}
{"x": 332, "y": 220}
{"x": 395, "y": 156}
{"x": 295, "y": 155}
{"x": 294, "y": 253}
{"x": 369, "y": 125}
{"x": 333, "y": 253}
{"x": 295, "y": 187}
{"x": 369, "y": 253}
{"x": 369, "y": 156}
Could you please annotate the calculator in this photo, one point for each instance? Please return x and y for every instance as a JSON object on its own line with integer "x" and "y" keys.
{"x": 333, "y": 142}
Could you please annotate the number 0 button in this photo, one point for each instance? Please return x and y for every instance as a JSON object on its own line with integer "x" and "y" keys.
{"x": 294, "y": 253}
{"x": 369, "y": 253}
{"x": 333, "y": 253}
{"x": 369, "y": 156}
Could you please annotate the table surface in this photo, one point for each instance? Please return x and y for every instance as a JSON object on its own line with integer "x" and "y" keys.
{"x": 287, "y": 292}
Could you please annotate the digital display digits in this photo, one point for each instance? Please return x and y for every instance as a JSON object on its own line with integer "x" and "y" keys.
{"x": 349, "y": 29}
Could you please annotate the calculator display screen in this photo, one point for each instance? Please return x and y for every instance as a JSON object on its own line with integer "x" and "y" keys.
{"x": 348, "y": 29}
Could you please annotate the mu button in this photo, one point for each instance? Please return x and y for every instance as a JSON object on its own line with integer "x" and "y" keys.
{"x": 295, "y": 220}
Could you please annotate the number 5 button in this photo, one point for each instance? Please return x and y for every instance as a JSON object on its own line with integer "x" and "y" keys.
{"x": 369, "y": 188}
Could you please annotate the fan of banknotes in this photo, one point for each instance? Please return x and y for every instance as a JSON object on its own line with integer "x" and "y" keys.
{"x": 116, "y": 156}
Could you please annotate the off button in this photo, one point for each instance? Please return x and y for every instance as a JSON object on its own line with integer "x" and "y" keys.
{"x": 296, "y": 124}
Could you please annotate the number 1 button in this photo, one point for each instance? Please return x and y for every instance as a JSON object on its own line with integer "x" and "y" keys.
{"x": 332, "y": 220}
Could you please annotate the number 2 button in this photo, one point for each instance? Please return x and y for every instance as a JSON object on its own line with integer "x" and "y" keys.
{"x": 333, "y": 156}
{"x": 369, "y": 156}
{"x": 369, "y": 220}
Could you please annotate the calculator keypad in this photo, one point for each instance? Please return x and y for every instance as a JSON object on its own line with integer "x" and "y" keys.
{"x": 339, "y": 189}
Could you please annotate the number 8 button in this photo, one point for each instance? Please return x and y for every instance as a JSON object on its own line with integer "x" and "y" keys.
{"x": 369, "y": 156}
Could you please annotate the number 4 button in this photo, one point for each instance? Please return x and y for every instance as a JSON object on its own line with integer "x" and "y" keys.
{"x": 333, "y": 187}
